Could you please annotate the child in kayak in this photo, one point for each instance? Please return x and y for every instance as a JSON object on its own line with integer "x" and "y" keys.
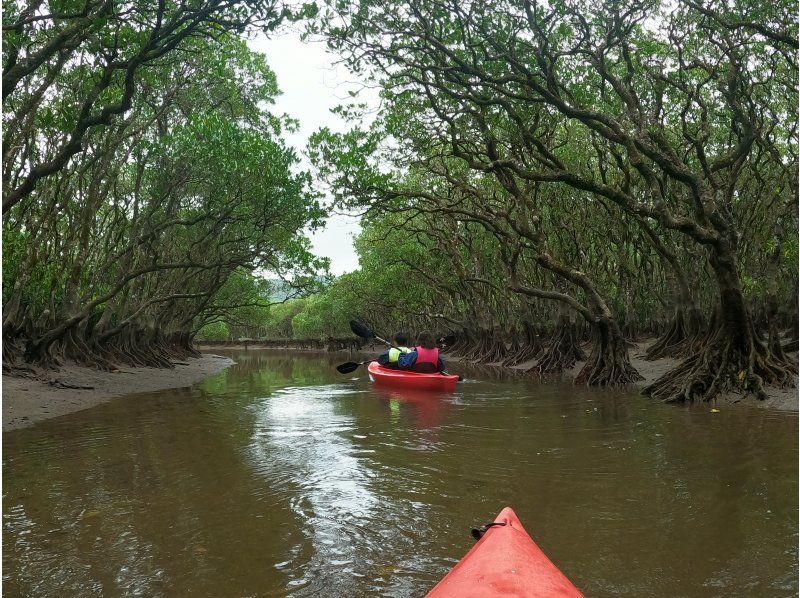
{"x": 424, "y": 358}
{"x": 389, "y": 359}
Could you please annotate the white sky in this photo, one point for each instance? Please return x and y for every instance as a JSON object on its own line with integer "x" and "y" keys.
{"x": 311, "y": 86}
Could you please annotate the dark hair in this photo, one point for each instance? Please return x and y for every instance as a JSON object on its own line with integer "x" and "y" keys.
{"x": 401, "y": 338}
{"x": 426, "y": 340}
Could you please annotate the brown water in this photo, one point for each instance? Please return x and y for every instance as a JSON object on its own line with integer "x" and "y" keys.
{"x": 279, "y": 476}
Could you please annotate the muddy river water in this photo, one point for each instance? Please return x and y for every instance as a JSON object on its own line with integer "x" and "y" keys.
{"x": 281, "y": 477}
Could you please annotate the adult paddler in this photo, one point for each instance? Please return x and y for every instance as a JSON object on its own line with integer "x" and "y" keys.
{"x": 424, "y": 358}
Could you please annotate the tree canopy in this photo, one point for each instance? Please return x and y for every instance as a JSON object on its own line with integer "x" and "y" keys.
{"x": 634, "y": 165}
{"x": 537, "y": 175}
{"x": 147, "y": 186}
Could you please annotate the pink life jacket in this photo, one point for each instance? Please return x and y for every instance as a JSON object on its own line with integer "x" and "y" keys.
{"x": 427, "y": 355}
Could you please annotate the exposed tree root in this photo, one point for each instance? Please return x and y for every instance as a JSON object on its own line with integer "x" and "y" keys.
{"x": 486, "y": 348}
{"x": 12, "y": 353}
{"x": 468, "y": 348}
{"x": 563, "y": 350}
{"x": 41, "y": 356}
{"x": 608, "y": 363}
{"x": 496, "y": 349}
{"x": 671, "y": 342}
{"x": 513, "y": 347}
{"x": 630, "y": 330}
{"x": 19, "y": 371}
{"x": 526, "y": 350}
{"x": 140, "y": 347}
{"x": 185, "y": 343}
{"x": 75, "y": 349}
{"x": 459, "y": 344}
{"x": 482, "y": 347}
{"x": 723, "y": 365}
{"x": 682, "y": 334}
{"x": 773, "y": 334}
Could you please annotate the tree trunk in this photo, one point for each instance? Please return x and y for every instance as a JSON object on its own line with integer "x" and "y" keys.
{"x": 460, "y": 344}
{"x": 683, "y": 333}
{"x": 495, "y": 347}
{"x": 683, "y": 328}
{"x": 527, "y": 349}
{"x": 563, "y": 349}
{"x": 608, "y": 363}
{"x": 732, "y": 357}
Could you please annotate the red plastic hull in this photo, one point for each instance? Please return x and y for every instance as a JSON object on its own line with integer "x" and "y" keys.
{"x": 505, "y": 562}
{"x": 411, "y": 380}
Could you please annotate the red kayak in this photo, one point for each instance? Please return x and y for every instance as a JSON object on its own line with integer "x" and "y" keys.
{"x": 504, "y": 562}
{"x": 413, "y": 380}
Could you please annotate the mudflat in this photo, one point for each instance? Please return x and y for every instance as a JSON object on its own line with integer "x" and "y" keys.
{"x": 44, "y": 394}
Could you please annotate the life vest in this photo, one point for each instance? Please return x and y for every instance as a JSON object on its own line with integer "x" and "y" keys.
{"x": 394, "y": 353}
{"x": 427, "y": 355}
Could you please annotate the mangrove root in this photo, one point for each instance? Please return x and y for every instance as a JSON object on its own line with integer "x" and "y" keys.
{"x": 723, "y": 365}
{"x": 562, "y": 352}
{"x": 608, "y": 363}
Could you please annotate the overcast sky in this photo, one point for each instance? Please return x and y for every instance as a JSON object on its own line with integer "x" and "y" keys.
{"x": 311, "y": 86}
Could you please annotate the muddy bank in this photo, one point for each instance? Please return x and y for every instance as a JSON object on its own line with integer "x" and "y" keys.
{"x": 784, "y": 399}
{"x": 259, "y": 347}
{"x": 45, "y": 393}
{"x": 332, "y": 344}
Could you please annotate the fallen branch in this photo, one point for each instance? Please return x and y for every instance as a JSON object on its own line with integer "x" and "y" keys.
{"x": 60, "y": 384}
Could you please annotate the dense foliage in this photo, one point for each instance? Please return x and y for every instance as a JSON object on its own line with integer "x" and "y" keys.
{"x": 146, "y": 185}
{"x": 631, "y": 164}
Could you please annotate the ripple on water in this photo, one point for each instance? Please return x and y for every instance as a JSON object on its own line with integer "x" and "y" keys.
{"x": 281, "y": 477}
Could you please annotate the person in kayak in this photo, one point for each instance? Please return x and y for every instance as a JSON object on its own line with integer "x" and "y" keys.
{"x": 424, "y": 358}
{"x": 389, "y": 359}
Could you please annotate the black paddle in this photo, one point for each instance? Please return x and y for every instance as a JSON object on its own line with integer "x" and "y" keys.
{"x": 351, "y": 366}
{"x": 361, "y": 330}
{"x": 366, "y": 333}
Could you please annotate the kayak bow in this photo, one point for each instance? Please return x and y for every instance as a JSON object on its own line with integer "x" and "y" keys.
{"x": 505, "y": 562}
{"x": 404, "y": 379}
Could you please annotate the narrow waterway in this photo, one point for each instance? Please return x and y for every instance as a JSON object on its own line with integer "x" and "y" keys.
{"x": 279, "y": 476}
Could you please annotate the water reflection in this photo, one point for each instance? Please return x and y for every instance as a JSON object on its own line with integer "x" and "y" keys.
{"x": 279, "y": 476}
{"x": 299, "y": 441}
{"x": 426, "y": 408}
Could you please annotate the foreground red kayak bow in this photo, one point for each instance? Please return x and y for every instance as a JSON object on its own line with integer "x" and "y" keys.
{"x": 505, "y": 562}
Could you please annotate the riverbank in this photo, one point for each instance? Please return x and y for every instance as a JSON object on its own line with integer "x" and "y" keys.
{"x": 44, "y": 394}
{"x": 783, "y": 399}
{"x": 331, "y": 344}
{"x": 356, "y": 348}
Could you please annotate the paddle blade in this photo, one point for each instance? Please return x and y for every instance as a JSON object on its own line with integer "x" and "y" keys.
{"x": 360, "y": 330}
{"x": 346, "y": 368}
